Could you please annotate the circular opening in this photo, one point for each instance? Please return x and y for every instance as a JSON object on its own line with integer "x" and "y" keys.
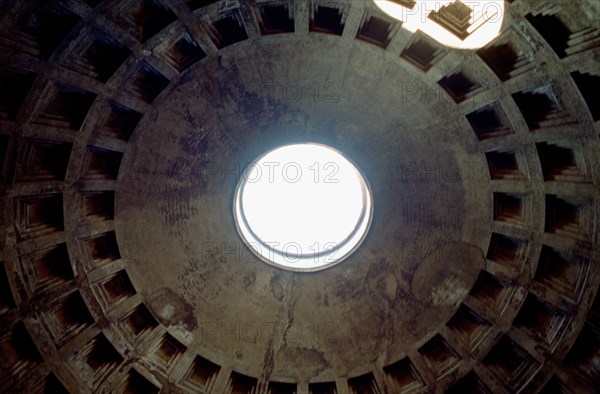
{"x": 455, "y": 24}
{"x": 302, "y": 207}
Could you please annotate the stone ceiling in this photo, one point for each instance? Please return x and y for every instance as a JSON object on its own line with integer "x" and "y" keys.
{"x": 125, "y": 126}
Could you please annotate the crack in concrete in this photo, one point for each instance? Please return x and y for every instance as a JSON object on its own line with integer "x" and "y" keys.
{"x": 284, "y": 316}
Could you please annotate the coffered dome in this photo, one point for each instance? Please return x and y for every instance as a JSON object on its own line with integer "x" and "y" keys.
{"x": 126, "y": 127}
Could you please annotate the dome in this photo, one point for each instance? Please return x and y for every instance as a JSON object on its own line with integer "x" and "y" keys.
{"x": 127, "y": 129}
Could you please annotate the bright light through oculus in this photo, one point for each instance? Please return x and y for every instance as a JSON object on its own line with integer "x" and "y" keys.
{"x": 463, "y": 24}
{"x": 302, "y": 207}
